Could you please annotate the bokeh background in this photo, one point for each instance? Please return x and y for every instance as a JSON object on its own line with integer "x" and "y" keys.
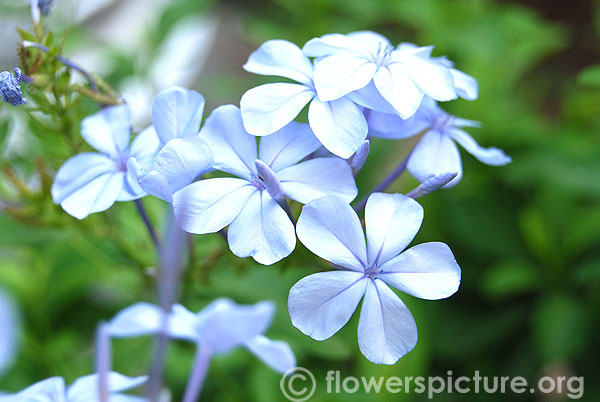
{"x": 527, "y": 236}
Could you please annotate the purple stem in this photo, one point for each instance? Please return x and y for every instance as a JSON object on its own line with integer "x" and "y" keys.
{"x": 170, "y": 263}
{"x": 198, "y": 374}
{"x": 385, "y": 183}
{"x": 103, "y": 361}
{"x": 144, "y": 216}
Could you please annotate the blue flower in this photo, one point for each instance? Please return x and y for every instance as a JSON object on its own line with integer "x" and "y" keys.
{"x": 220, "y": 327}
{"x": 320, "y": 304}
{"x": 91, "y": 182}
{"x": 10, "y": 88}
{"x": 251, "y": 204}
{"x": 337, "y": 123}
{"x": 9, "y": 331}
{"x": 466, "y": 86}
{"x": 386, "y": 78}
{"x": 436, "y": 152}
{"x": 183, "y": 156}
{"x": 45, "y": 6}
{"x": 85, "y": 389}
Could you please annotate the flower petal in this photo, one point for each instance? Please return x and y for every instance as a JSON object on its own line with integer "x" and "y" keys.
{"x": 270, "y": 107}
{"x": 465, "y": 85}
{"x": 144, "y": 147}
{"x": 79, "y": 171}
{"x": 435, "y": 154}
{"x": 427, "y": 271}
{"x": 150, "y": 182}
{"x": 331, "y": 43}
{"x": 338, "y": 75}
{"x": 85, "y": 389}
{"x": 207, "y": 206}
{"x": 321, "y": 304}
{"x": 108, "y": 130}
{"x": 136, "y": 320}
{"x": 339, "y": 125}
{"x": 96, "y": 195}
{"x": 9, "y": 331}
{"x": 391, "y": 126}
{"x": 179, "y": 163}
{"x": 49, "y": 390}
{"x": 262, "y": 230}
{"x": 330, "y": 228}
{"x": 281, "y": 58}
{"x": 177, "y": 113}
{"x": 288, "y": 146}
{"x": 386, "y": 329}
{"x": 276, "y": 354}
{"x": 398, "y": 88}
{"x": 433, "y": 78}
{"x": 234, "y": 150}
{"x": 316, "y": 178}
{"x": 182, "y": 324}
{"x": 392, "y": 221}
{"x": 370, "y": 98}
{"x": 224, "y": 324}
{"x": 370, "y": 40}
{"x": 490, "y": 156}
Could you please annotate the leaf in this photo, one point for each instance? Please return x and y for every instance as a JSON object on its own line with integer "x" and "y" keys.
{"x": 589, "y": 77}
{"x": 510, "y": 278}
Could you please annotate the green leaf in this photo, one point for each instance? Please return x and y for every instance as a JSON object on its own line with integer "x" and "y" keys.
{"x": 589, "y": 77}
{"x": 510, "y": 278}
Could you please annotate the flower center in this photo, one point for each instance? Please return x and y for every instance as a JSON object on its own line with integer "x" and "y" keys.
{"x": 121, "y": 164}
{"x": 257, "y": 181}
{"x": 373, "y": 271}
{"x": 442, "y": 122}
{"x": 381, "y": 57}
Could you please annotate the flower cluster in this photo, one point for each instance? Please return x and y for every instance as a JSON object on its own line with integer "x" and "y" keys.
{"x": 220, "y": 327}
{"x": 236, "y": 174}
{"x": 361, "y": 69}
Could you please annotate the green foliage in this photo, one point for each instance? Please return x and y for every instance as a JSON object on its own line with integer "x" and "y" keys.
{"x": 526, "y": 236}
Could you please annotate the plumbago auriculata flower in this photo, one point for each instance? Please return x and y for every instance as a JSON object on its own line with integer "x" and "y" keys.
{"x": 320, "y": 304}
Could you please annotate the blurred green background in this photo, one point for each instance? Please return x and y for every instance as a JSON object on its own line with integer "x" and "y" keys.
{"x": 527, "y": 236}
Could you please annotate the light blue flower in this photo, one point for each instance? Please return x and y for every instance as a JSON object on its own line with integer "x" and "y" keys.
{"x": 9, "y": 331}
{"x": 85, "y": 389}
{"x": 320, "y": 304}
{"x": 337, "y": 123}
{"x": 220, "y": 327}
{"x": 252, "y": 204}
{"x": 436, "y": 153}
{"x": 386, "y": 78}
{"x": 10, "y": 88}
{"x": 183, "y": 156}
{"x": 466, "y": 86}
{"x": 91, "y": 182}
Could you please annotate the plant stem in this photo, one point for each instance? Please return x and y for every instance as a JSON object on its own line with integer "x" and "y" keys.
{"x": 385, "y": 183}
{"x": 171, "y": 256}
{"x": 103, "y": 362}
{"x": 64, "y": 61}
{"x": 144, "y": 216}
{"x": 198, "y": 374}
